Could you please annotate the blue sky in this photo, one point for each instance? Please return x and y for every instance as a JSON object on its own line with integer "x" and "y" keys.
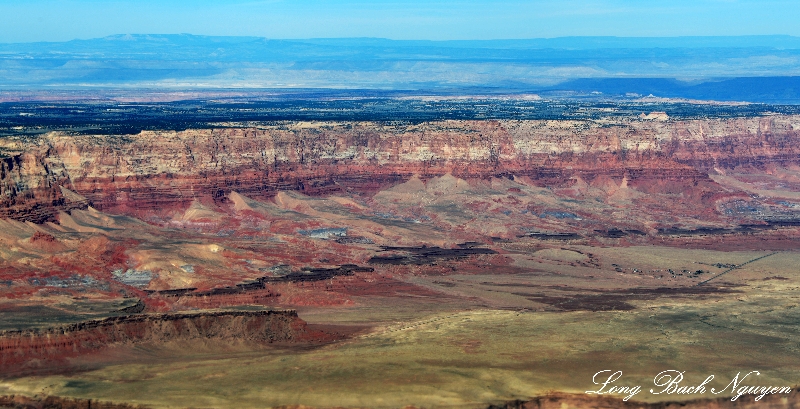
{"x": 60, "y": 20}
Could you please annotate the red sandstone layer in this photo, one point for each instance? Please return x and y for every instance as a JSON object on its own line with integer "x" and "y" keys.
{"x": 583, "y": 401}
{"x": 19, "y": 347}
{"x": 56, "y": 402}
{"x": 152, "y": 170}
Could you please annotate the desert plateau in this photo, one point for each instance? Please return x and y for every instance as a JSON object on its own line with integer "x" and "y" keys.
{"x": 451, "y": 260}
{"x": 399, "y": 204}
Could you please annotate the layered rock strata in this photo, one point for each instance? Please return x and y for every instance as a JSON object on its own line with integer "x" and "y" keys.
{"x": 161, "y": 169}
{"x": 19, "y": 347}
{"x": 558, "y": 400}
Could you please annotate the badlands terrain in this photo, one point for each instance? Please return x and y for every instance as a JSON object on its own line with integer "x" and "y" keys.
{"x": 385, "y": 264}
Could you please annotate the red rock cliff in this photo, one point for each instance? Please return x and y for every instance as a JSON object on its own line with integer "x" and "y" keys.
{"x": 160, "y": 169}
{"x": 19, "y": 347}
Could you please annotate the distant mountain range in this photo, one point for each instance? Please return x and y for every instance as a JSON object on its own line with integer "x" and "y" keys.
{"x": 749, "y": 68}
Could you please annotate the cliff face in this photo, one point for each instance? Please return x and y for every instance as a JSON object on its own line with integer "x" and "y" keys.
{"x": 564, "y": 400}
{"x": 20, "y": 347}
{"x": 30, "y": 188}
{"x": 158, "y": 169}
{"x": 57, "y": 402}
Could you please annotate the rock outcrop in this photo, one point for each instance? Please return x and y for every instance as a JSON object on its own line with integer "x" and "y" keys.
{"x": 57, "y": 402}
{"x": 156, "y": 170}
{"x": 20, "y": 347}
{"x": 565, "y": 400}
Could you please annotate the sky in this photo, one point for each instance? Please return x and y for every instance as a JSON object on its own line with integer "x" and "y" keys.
{"x": 63, "y": 20}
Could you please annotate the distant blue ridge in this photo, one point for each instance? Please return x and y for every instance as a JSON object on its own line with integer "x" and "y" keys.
{"x": 744, "y": 68}
{"x": 752, "y": 89}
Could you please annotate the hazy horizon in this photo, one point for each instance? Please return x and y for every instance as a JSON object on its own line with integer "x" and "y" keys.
{"x": 690, "y": 67}
{"x": 63, "y": 20}
{"x": 593, "y": 41}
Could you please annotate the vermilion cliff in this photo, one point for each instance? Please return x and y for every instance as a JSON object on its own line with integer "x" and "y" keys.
{"x": 157, "y": 169}
{"x": 20, "y": 347}
{"x": 564, "y": 400}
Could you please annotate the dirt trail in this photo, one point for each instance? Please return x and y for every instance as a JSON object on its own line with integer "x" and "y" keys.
{"x": 737, "y": 267}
